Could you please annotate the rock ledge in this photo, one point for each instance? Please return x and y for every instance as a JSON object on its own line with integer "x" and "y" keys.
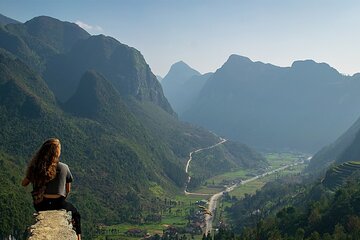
{"x": 52, "y": 225}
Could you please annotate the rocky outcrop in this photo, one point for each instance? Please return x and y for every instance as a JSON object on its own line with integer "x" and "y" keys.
{"x": 52, "y": 225}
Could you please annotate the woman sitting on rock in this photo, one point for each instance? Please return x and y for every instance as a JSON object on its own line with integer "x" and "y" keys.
{"x": 51, "y": 180}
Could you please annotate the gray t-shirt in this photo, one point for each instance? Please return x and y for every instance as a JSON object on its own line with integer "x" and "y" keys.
{"x": 57, "y": 185}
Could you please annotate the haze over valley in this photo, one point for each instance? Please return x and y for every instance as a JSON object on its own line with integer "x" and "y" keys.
{"x": 169, "y": 132}
{"x": 301, "y": 108}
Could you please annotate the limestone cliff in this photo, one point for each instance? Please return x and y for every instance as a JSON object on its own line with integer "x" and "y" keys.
{"x": 52, "y": 225}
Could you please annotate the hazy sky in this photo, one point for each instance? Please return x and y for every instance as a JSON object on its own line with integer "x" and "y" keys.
{"x": 203, "y": 33}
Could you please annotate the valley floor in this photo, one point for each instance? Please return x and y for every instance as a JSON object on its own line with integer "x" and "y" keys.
{"x": 182, "y": 213}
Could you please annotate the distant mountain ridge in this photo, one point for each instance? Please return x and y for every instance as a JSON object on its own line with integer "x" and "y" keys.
{"x": 302, "y": 107}
{"x": 182, "y": 85}
{"x": 6, "y": 20}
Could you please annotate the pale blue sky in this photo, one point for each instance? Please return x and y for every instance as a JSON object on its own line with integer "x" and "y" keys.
{"x": 203, "y": 33}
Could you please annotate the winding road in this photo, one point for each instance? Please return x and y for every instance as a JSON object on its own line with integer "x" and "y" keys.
{"x": 215, "y": 197}
{"x": 222, "y": 140}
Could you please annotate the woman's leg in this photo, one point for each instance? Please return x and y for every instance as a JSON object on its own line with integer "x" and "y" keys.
{"x": 75, "y": 215}
{"x": 47, "y": 204}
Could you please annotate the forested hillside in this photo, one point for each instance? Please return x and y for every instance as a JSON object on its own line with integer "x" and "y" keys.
{"x": 182, "y": 120}
{"x": 293, "y": 209}
{"x": 307, "y": 206}
{"x": 119, "y": 134}
{"x": 320, "y": 205}
{"x": 230, "y": 156}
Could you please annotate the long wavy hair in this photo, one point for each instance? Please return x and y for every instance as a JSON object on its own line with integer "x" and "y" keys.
{"x": 42, "y": 167}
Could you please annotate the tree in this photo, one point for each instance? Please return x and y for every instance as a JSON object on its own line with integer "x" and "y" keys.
{"x": 315, "y": 236}
{"x": 299, "y": 234}
{"x": 339, "y": 233}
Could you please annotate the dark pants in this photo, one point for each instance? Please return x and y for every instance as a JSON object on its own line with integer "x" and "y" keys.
{"x": 60, "y": 203}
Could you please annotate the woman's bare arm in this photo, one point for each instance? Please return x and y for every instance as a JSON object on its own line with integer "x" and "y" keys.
{"x": 67, "y": 188}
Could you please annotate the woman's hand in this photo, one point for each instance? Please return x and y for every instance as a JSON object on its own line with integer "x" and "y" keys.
{"x": 25, "y": 182}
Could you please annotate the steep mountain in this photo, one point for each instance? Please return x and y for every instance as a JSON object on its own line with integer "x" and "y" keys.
{"x": 124, "y": 151}
{"x": 122, "y": 140}
{"x": 122, "y": 65}
{"x": 178, "y": 73}
{"x": 342, "y": 150}
{"x": 58, "y": 35}
{"x": 302, "y": 107}
{"x": 39, "y": 39}
{"x": 182, "y": 85}
{"x": 189, "y": 91}
{"x": 352, "y": 151}
{"x": 63, "y": 52}
{"x": 96, "y": 98}
{"x": 6, "y": 20}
